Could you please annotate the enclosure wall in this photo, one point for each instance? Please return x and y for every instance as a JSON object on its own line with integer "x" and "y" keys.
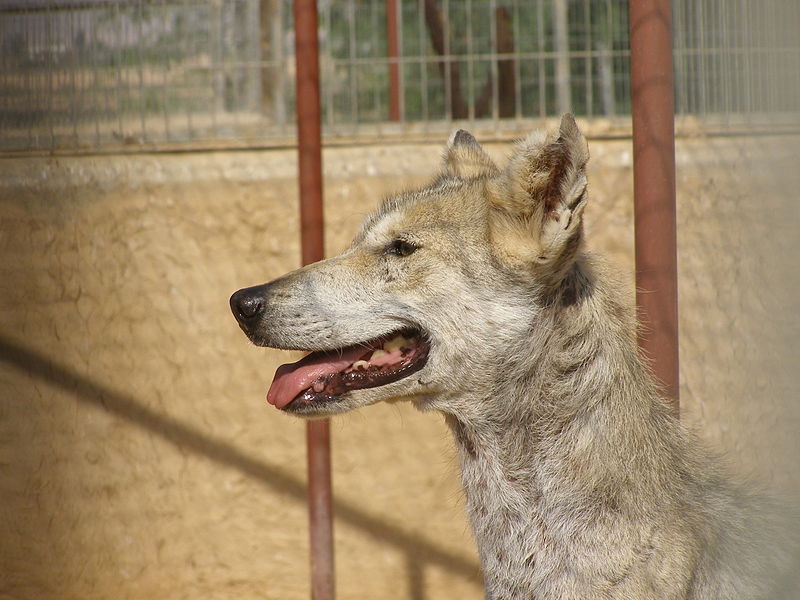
{"x": 139, "y": 459}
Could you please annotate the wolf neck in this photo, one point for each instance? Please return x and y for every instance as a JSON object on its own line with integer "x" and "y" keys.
{"x": 532, "y": 453}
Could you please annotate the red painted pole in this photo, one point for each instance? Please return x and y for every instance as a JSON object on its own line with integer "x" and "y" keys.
{"x": 393, "y": 50}
{"x": 654, "y": 187}
{"x": 309, "y": 144}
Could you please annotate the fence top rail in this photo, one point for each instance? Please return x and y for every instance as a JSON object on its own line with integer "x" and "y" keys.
{"x": 600, "y": 129}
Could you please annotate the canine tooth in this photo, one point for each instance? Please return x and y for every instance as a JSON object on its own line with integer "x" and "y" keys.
{"x": 360, "y": 364}
{"x": 319, "y": 385}
{"x": 378, "y": 354}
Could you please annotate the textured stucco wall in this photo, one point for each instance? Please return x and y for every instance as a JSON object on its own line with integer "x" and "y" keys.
{"x": 137, "y": 456}
{"x": 739, "y": 281}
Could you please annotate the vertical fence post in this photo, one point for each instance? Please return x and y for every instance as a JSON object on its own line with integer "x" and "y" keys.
{"x": 309, "y": 142}
{"x": 654, "y": 187}
{"x": 393, "y": 51}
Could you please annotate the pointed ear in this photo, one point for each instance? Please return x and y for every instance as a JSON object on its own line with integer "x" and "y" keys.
{"x": 464, "y": 158}
{"x": 544, "y": 189}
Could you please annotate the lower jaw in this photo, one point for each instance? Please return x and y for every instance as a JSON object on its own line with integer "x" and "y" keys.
{"x": 309, "y": 404}
{"x": 321, "y": 404}
{"x": 320, "y": 408}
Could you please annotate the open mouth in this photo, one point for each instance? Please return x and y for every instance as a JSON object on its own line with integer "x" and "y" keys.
{"x": 323, "y": 377}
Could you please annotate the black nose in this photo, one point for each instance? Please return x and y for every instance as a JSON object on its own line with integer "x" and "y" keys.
{"x": 247, "y": 305}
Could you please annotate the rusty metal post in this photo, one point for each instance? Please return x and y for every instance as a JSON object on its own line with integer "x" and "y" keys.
{"x": 309, "y": 143}
{"x": 654, "y": 187}
{"x": 393, "y": 50}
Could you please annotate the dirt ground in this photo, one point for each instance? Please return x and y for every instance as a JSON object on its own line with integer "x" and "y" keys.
{"x": 138, "y": 458}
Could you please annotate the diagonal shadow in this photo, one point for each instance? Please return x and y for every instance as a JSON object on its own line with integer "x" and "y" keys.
{"x": 178, "y": 434}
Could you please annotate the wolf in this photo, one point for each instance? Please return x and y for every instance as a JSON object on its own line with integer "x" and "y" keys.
{"x": 476, "y": 297}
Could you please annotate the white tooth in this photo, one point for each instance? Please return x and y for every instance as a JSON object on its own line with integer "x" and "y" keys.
{"x": 319, "y": 385}
{"x": 360, "y": 364}
{"x": 378, "y": 354}
{"x": 396, "y": 343}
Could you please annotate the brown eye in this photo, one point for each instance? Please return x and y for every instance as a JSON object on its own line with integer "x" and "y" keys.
{"x": 400, "y": 248}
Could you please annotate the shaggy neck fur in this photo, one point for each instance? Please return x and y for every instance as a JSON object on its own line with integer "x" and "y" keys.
{"x": 558, "y": 467}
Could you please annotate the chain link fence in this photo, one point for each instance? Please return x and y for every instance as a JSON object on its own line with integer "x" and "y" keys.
{"x": 99, "y": 74}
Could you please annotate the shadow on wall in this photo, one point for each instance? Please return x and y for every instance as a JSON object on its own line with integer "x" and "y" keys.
{"x": 418, "y": 552}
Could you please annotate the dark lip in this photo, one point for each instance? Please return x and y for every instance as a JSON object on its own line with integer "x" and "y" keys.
{"x": 308, "y": 400}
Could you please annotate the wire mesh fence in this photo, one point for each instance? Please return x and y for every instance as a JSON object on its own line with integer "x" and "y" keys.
{"x": 88, "y": 74}
{"x": 96, "y": 72}
{"x": 737, "y": 61}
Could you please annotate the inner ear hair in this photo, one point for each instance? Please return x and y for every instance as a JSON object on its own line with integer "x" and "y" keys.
{"x": 545, "y": 175}
{"x": 561, "y": 164}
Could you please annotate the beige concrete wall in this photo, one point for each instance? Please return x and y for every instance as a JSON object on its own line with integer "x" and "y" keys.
{"x": 137, "y": 456}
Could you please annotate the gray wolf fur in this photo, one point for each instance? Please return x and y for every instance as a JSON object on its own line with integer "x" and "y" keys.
{"x": 580, "y": 483}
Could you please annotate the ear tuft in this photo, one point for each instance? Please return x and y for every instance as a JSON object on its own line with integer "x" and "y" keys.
{"x": 464, "y": 158}
{"x": 575, "y": 144}
{"x": 569, "y": 130}
{"x": 461, "y": 137}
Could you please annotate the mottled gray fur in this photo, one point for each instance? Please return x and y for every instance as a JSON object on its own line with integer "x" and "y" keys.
{"x": 580, "y": 482}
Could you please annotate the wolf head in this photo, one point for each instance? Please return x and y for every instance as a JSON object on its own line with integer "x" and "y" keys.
{"x": 439, "y": 290}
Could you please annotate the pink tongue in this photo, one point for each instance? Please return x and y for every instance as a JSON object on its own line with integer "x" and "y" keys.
{"x": 293, "y": 378}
